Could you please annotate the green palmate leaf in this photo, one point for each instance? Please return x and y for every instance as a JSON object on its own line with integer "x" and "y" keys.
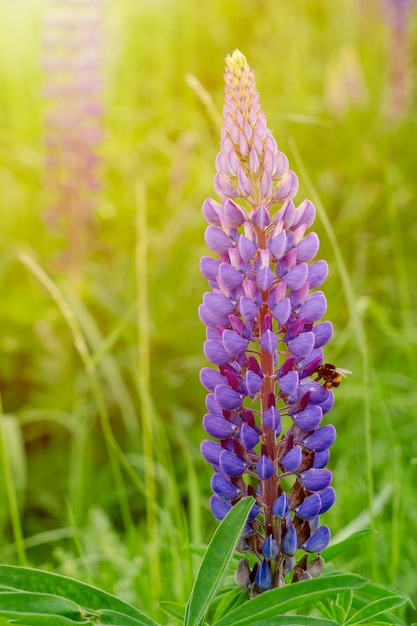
{"x": 294, "y": 620}
{"x": 278, "y": 601}
{"x": 173, "y": 609}
{"x": 332, "y": 551}
{"x": 216, "y": 561}
{"x": 229, "y": 601}
{"x": 30, "y": 619}
{"x": 29, "y": 602}
{"x": 58, "y": 595}
{"x": 382, "y": 605}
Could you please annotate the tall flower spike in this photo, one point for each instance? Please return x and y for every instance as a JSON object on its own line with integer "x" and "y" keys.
{"x": 269, "y": 388}
{"x": 72, "y": 57}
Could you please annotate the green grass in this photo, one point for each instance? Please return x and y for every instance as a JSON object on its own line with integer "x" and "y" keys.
{"x": 99, "y": 373}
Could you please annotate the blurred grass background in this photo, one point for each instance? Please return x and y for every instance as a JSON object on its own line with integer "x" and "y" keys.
{"x": 101, "y": 476}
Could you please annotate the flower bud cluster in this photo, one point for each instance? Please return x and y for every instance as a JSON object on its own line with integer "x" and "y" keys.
{"x": 265, "y": 404}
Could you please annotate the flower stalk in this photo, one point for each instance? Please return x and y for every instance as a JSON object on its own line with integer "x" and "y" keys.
{"x": 266, "y": 398}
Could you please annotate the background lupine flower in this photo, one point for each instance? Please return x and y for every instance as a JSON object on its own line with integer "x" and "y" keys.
{"x": 73, "y": 129}
{"x": 399, "y": 57}
{"x": 265, "y": 404}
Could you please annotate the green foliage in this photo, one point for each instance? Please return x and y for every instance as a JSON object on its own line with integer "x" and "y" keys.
{"x": 35, "y": 598}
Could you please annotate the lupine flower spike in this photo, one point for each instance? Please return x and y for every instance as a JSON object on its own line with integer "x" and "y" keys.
{"x": 266, "y": 398}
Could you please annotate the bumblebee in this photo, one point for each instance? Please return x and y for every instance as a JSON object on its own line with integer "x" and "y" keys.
{"x": 331, "y": 375}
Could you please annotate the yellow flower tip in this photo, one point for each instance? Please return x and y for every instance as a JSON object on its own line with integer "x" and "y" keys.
{"x": 237, "y": 63}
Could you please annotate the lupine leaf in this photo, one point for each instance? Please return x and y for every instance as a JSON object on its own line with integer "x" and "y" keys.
{"x": 216, "y": 561}
{"x": 228, "y": 602}
{"x": 338, "y": 548}
{"x": 173, "y": 609}
{"x": 290, "y": 597}
{"x": 294, "y": 620}
{"x": 30, "y": 619}
{"x": 382, "y": 605}
{"x": 63, "y": 592}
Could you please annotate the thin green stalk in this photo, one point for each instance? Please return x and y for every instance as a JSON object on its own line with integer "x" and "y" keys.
{"x": 84, "y": 353}
{"x": 77, "y": 541}
{"x": 360, "y": 333}
{"x": 11, "y": 496}
{"x": 143, "y": 373}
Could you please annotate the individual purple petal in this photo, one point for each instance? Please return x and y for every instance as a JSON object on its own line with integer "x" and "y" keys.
{"x": 264, "y": 468}
{"x": 211, "y": 319}
{"x": 310, "y": 507}
{"x": 218, "y": 304}
{"x": 215, "y": 353}
{"x": 212, "y": 405}
{"x": 272, "y": 420}
{"x": 287, "y": 188}
{"x": 318, "y": 394}
{"x": 302, "y": 345}
{"x": 261, "y": 217}
{"x": 308, "y": 248}
{"x": 314, "y": 307}
{"x": 282, "y": 311}
{"x": 228, "y": 276}
{"x": 247, "y": 248}
{"x": 309, "y": 419}
{"x": 299, "y": 296}
{"x": 223, "y": 187}
{"x": 212, "y": 211}
{"x": 244, "y": 183}
{"x": 218, "y": 426}
{"x": 217, "y": 240}
{"x": 327, "y": 405}
{"x": 281, "y": 506}
{"x": 269, "y": 341}
{"x": 270, "y": 548}
{"x": 321, "y": 439}
{"x": 306, "y": 214}
{"x": 234, "y": 343}
{"x": 227, "y": 398}
{"x": 254, "y": 366}
{"x": 278, "y": 244}
{"x": 316, "y": 479}
{"x": 323, "y": 333}
{"x": 321, "y": 459}
{"x": 328, "y": 498}
{"x": 230, "y": 464}
{"x": 318, "y": 541}
{"x": 233, "y": 213}
{"x": 317, "y": 273}
{"x": 264, "y": 275}
{"x": 219, "y": 507}
{"x": 287, "y": 213}
{"x": 263, "y": 578}
{"x": 209, "y": 378}
{"x": 292, "y": 459}
{"x": 223, "y": 488}
{"x": 209, "y": 267}
{"x": 249, "y": 437}
{"x": 253, "y": 513}
{"x": 253, "y": 383}
{"x": 297, "y": 276}
{"x": 248, "y": 309}
{"x": 290, "y": 543}
{"x": 211, "y": 450}
{"x": 288, "y": 383}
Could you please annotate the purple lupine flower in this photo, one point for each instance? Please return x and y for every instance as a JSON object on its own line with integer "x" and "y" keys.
{"x": 399, "y": 57}
{"x": 72, "y": 56}
{"x": 264, "y": 336}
